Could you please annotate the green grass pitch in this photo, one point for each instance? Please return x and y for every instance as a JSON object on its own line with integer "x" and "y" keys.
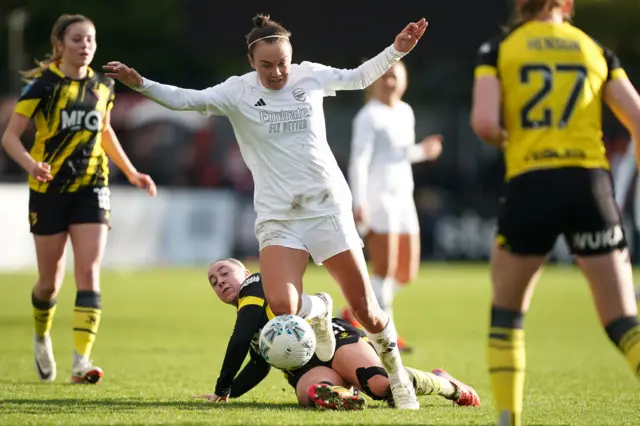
{"x": 163, "y": 336}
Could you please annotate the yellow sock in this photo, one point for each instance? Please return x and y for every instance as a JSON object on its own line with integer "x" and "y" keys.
{"x": 506, "y": 358}
{"x": 423, "y": 382}
{"x": 625, "y": 334}
{"x": 43, "y": 312}
{"x": 86, "y": 322}
{"x": 630, "y": 346}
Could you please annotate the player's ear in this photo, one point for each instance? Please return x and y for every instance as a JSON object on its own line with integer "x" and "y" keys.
{"x": 251, "y": 61}
{"x": 567, "y": 8}
{"x": 59, "y": 48}
{"x": 247, "y": 273}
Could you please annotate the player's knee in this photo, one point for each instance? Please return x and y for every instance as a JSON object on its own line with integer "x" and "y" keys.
{"x": 49, "y": 283}
{"x": 283, "y": 306}
{"x": 47, "y": 288}
{"x": 379, "y": 386}
{"x": 374, "y": 381}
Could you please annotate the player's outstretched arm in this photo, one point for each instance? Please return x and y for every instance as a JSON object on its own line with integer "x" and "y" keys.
{"x": 251, "y": 375}
{"x": 247, "y": 323}
{"x": 371, "y": 70}
{"x": 175, "y": 98}
{"x": 115, "y": 152}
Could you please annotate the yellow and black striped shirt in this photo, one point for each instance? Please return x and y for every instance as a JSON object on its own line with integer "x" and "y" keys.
{"x": 553, "y": 77}
{"x": 253, "y": 314}
{"x": 69, "y": 116}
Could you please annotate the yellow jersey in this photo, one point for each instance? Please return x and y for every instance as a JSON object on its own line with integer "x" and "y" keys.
{"x": 69, "y": 117}
{"x": 552, "y": 77}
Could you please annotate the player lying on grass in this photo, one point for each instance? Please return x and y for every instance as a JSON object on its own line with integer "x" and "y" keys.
{"x": 324, "y": 384}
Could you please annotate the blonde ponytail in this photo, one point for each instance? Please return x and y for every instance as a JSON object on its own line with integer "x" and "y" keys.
{"x": 29, "y": 75}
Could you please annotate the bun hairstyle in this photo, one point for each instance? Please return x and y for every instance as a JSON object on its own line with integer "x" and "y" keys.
{"x": 265, "y": 30}
{"x": 260, "y": 20}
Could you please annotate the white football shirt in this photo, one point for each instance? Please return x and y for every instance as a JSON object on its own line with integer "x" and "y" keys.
{"x": 381, "y": 143}
{"x": 281, "y": 133}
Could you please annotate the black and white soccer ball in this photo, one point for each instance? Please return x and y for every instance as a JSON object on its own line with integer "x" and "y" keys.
{"x": 287, "y": 342}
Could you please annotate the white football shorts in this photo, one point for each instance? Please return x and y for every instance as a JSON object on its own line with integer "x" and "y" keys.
{"x": 392, "y": 214}
{"x": 322, "y": 237}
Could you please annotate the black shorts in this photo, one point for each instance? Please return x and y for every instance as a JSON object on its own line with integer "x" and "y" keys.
{"x": 52, "y": 213}
{"x": 345, "y": 333}
{"x": 577, "y": 203}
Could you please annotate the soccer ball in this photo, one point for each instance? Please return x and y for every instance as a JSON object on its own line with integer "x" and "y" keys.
{"x": 287, "y": 342}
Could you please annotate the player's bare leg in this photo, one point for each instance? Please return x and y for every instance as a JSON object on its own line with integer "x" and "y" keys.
{"x": 349, "y": 270}
{"x": 360, "y": 366}
{"x": 408, "y": 264}
{"x": 50, "y": 254}
{"x": 383, "y": 254}
{"x": 514, "y": 278}
{"x": 611, "y": 280}
{"x": 282, "y": 269}
{"x": 382, "y": 249}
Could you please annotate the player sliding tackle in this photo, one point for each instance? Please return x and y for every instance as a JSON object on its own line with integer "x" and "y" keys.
{"x": 324, "y": 384}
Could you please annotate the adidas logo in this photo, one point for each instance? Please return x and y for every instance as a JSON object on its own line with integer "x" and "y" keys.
{"x": 260, "y": 103}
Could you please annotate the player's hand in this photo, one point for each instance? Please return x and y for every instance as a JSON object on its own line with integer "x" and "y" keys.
{"x": 408, "y": 38}
{"x": 143, "y": 181}
{"x": 212, "y": 397}
{"x": 432, "y": 147}
{"x": 361, "y": 220}
{"x": 504, "y": 142}
{"x": 124, "y": 74}
{"x": 41, "y": 172}
{"x": 358, "y": 215}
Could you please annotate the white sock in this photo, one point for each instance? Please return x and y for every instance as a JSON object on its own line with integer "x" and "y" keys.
{"x": 387, "y": 297}
{"x": 386, "y": 345}
{"x": 397, "y": 287}
{"x": 377, "y": 282}
{"x": 429, "y": 384}
{"x": 77, "y": 359}
{"x": 447, "y": 389}
{"x": 383, "y": 289}
{"x": 312, "y": 307}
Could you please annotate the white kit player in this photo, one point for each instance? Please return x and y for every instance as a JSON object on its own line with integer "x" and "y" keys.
{"x": 302, "y": 201}
{"x": 382, "y": 150}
